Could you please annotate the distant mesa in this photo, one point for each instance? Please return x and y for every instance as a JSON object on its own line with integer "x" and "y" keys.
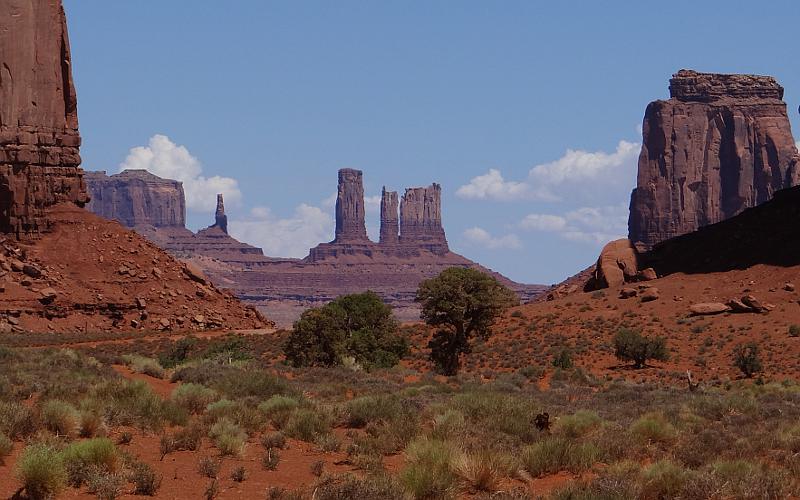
{"x": 719, "y": 145}
{"x": 412, "y": 247}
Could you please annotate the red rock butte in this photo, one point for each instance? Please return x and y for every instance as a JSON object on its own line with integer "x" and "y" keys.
{"x": 719, "y": 145}
{"x": 39, "y": 139}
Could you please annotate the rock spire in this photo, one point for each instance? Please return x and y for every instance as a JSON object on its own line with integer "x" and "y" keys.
{"x": 350, "y": 225}
{"x": 220, "y": 219}
{"x": 389, "y": 234}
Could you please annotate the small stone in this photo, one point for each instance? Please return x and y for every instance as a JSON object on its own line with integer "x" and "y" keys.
{"x": 789, "y": 287}
{"x": 141, "y": 303}
{"x": 650, "y": 294}
{"x": 739, "y": 307}
{"x": 156, "y": 272}
{"x": 17, "y": 266}
{"x": 48, "y": 295}
{"x": 648, "y": 274}
{"x": 134, "y": 323}
{"x": 754, "y": 303}
{"x": 627, "y": 293}
{"x": 199, "y": 319}
{"x": 13, "y": 321}
{"x": 194, "y": 274}
{"x": 32, "y": 271}
{"x": 164, "y": 323}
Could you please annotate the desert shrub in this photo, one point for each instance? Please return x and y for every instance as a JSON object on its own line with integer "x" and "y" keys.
{"x": 278, "y": 409}
{"x": 273, "y": 440}
{"x": 194, "y": 397}
{"x": 306, "y": 424}
{"x": 698, "y": 448}
{"x": 60, "y": 418}
{"x": 375, "y": 487}
{"x": 145, "y": 480}
{"x": 654, "y": 428}
{"x": 328, "y": 443}
{"x": 6, "y": 446}
{"x": 554, "y": 454}
{"x": 146, "y": 366}
{"x": 188, "y": 438}
{"x": 482, "y": 471}
{"x": 204, "y": 372}
{"x": 664, "y": 479}
{"x": 228, "y": 437}
{"x": 178, "y": 353}
{"x": 447, "y": 424}
{"x": 123, "y": 402}
{"x": 104, "y": 485}
{"x": 462, "y": 303}
{"x": 41, "y": 471}
{"x": 239, "y": 474}
{"x": 747, "y": 359}
{"x": 245, "y": 416}
{"x": 428, "y": 472}
{"x": 91, "y": 423}
{"x": 563, "y": 359}
{"x": 618, "y": 482}
{"x": 358, "y": 326}
{"x": 255, "y": 384}
{"x": 209, "y": 467}
{"x": 16, "y": 420}
{"x": 578, "y": 424}
{"x": 271, "y": 459}
{"x": 743, "y": 479}
{"x": 494, "y": 412}
{"x": 230, "y": 349}
{"x": 361, "y": 411}
{"x": 630, "y": 345}
{"x": 85, "y": 457}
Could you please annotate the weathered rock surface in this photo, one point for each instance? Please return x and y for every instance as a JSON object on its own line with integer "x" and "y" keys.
{"x": 617, "y": 265}
{"x": 137, "y": 198}
{"x": 39, "y": 139}
{"x": 421, "y": 218}
{"x": 706, "y": 308}
{"x": 350, "y": 211}
{"x": 220, "y": 219}
{"x": 720, "y": 144}
{"x": 390, "y": 227}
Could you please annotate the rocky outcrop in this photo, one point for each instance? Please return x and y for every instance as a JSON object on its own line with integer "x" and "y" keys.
{"x": 39, "y": 139}
{"x": 350, "y": 225}
{"x": 421, "y": 218}
{"x": 137, "y": 198}
{"x": 390, "y": 228}
{"x": 719, "y": 145}
{"x": 220, "y": 219}
{"x": 617, "y": 265}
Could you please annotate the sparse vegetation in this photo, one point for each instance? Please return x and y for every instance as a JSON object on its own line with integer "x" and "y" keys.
{"x": 746, "y": 358}
{"x": 630, "y": 345}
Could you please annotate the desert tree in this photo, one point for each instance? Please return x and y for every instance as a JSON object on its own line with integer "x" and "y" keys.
{"x": 630, "y": 345}
{"x": 461, "y": 303}
{"x": 746, "y": 359}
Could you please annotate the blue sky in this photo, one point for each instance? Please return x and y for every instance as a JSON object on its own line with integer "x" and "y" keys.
{"x": 527, "y": 113}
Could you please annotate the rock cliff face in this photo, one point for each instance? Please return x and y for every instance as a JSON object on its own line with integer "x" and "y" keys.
{"x": 421, "y": 218}
{"x": 720, "y": 144}
{"x": 390, "y": 229}
{"x": 350, "y": 225}
{"x": 137, "y": 198}
{"x": 39, "y": 139}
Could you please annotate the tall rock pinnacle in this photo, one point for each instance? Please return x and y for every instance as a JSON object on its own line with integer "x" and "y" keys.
{"x": 389, "y": 223}
{"x": 220, "y": 219}
{"x": 421, "y": 218}
{"x": 39, "y": 139}
{"x": 350, "y": 225}
{"x": 719, "y": 145}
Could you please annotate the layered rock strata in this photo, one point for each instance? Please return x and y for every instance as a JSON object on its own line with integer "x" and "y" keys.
{"x": 720, "y": 144}
{"x": 39, "y": 139}
{"x": 137, "y": 198}
{"x": 350, "y": 226}
{"x": 421, "y": 218}
{"x": 390, "y": 227}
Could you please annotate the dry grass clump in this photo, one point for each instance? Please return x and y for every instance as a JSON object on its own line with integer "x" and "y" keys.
{"x": 144, "y": 365}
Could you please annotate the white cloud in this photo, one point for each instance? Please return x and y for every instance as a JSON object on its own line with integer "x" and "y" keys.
{"x": 290, "y": 237}
{"x": 492, "y": 186}
{"x": 576, "y": 169}
{"x": 593, "y": 225}
{"x": 481, "y": 237}
{"x": 797, "y": 144}
{"x": 164, "y": 158}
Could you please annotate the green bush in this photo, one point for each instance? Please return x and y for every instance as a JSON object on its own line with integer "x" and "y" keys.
{"x": 83, "y": 457}
{"x": 555, "y": 454}
{"x": 60, "y": 418}
{"x": 16, "y": 420}
{"x": 194, "y": 397}
{"x": 361, "y": 411}
{"x": 255, "y": 384}
{"x": 630, "y": 345}
{"x": 179, "y": 352}
{"x": 654, "y": 428}
{"x": 563, "y": 359}
{"x": 578, "y": 424}
{"x": 278, "y": 409}
{"x": 306, "y": 424}
{"x": 273, "y": 440}
{"x": 228, "y": 437}
{"x": 41, "y": 471}
{"x": 358, "y": 326}
{"x": 746, "y": 359}
{"x": 428, "y": 472}
{"x": 664, "y": 479}
{"x": 146, "y": 366}
{"x": 123, "y": 402}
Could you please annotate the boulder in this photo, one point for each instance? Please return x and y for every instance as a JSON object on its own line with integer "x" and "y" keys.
{"x": 627, "y": 293}
{"x": 649, "y": 294}
{"x": 648, "y": 274}
{"x": 705, "y": 308}
{"x": 616, "y": 265}
{"x": 753, "y": 303}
